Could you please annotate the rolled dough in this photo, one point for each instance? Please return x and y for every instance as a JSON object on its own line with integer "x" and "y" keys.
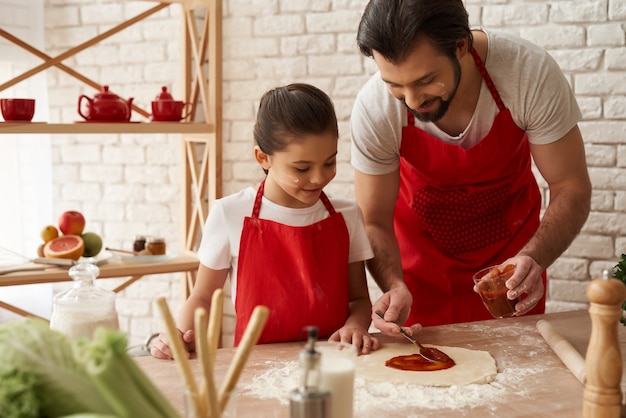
{"x": 472, "y": 366}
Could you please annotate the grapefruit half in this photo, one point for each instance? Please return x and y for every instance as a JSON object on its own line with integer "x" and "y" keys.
{"x": 66, "y": 246}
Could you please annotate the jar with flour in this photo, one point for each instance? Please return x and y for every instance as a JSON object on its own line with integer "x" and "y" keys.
{"x": 78, "y": 311}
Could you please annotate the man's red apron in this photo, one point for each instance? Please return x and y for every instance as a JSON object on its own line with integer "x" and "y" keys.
{"x": 461, "y": 210}
{"x": 299, "y": 272}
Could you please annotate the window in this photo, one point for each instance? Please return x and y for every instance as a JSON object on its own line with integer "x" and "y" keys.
{"x": 25, "y": 160}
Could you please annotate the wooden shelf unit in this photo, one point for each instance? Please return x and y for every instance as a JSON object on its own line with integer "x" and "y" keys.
{"x": 201, "y": 132}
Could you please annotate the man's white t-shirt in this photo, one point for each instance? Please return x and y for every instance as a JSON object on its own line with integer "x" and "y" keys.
{"x": 219, "y": 247}
{"x": 527, "y": 78}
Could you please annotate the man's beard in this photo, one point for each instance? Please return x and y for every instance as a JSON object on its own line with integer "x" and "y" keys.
{"x": 443, "y": 105}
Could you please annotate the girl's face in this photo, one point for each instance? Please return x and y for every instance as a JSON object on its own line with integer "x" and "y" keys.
{"x": 297, "y": 174}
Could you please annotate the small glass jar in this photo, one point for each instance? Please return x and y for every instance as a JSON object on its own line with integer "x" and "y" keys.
{"x": 140, "y": 243}
{"x": 155, "y": 245}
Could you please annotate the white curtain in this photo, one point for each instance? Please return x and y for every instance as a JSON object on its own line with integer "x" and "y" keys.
{"x": 25, "y": 160}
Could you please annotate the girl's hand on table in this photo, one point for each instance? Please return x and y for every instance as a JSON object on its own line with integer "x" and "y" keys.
{"x": 161, "y": 349}
{"x": 359, "y": 338}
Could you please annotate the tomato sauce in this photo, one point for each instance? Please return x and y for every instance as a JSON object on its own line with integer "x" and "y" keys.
{"x": 417, "y": 363}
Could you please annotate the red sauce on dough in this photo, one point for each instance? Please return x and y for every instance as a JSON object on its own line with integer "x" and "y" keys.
{"x": 417, "y": 363}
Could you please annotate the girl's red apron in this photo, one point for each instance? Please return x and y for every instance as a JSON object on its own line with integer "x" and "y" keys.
{"x": 461, "y": 210}
{"x": 299, "y": 272}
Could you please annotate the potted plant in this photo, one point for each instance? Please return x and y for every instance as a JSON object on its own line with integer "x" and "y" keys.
{"x": 619, "y": 272}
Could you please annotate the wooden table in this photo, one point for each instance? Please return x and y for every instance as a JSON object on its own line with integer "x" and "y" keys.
{"x": 532, "y": 381}
{"x": 186, "y": 263}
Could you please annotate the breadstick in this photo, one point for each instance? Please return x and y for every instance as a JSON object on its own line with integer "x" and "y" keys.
{"x": 202, "y": 348}
{"x": 180, "y": 354}
{"x": 248, "y": 340}
{"x": 215, "y": 323}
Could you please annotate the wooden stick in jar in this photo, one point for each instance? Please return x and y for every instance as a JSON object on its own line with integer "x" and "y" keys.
{"x": 563, "y": 349}
{"x": 209, "y": 399}
{"x": 215, "y": 323}
{"x": 214, "y": 328}
{"x": 250, "y": 336}
{"x": 180, "y": 354}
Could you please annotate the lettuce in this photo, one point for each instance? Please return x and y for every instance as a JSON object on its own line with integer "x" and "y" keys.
{"x": 43, "y": 373}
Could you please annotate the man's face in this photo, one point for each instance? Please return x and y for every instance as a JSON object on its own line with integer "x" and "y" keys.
{"x": 426, "y": 81}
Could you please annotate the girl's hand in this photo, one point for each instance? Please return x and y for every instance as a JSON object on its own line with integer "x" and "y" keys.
{"x": 161, "y": 349}
{"x": 358, "y": 337}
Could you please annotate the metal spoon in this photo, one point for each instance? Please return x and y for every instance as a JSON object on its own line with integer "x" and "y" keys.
{"x": 428, "y": 353}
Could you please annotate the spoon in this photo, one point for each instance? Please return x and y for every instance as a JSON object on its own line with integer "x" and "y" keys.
{"x": 428, "y": 353}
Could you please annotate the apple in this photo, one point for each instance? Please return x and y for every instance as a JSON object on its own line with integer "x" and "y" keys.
{"x": 71, "y": 222}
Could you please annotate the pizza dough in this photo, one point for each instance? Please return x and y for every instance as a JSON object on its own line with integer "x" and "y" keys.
{"x": 472, "y": 366}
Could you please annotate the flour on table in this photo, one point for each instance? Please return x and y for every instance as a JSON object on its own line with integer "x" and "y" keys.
{"x": 282, "y": 377}
{"x": 472, "y": 366}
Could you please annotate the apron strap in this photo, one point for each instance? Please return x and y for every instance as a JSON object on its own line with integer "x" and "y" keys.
{"x": 327, "y": 204}
{"x": 257, "y": 201}
{"x": 488, "y": 80}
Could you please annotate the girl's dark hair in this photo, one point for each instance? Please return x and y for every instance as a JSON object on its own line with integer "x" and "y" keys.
{"x": 393, "y": 27}
{"x": 290, "y": 111}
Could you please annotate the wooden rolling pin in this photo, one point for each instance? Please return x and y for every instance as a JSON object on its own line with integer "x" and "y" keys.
{"x": 566, "y": 351}
{"x": 602, "y": 397}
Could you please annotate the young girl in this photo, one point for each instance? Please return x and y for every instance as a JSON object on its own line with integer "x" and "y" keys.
{"x": 286, "y": 245}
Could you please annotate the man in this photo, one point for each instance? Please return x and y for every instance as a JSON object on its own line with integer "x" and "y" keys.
{"x": 442, "y": 140}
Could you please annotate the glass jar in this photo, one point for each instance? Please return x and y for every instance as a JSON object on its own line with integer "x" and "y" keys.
{"x": 78, "y": 311}
{"x": 155, "y": 245}
{"x": 139, "y": 244}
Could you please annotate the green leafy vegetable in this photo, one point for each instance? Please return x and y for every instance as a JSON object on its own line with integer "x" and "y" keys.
{"x": 45, "y": 374}
{"x": 62, "y": 387}
{"x": 17, "y": 393}
{"x": 619, "y": 272}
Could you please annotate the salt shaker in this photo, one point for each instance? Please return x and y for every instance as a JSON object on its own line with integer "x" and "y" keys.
{"x": 77, "y": 312}
{"x": 308, "y": 401}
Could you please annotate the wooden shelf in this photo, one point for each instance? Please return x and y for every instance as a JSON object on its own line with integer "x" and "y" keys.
{"x": 114, "y": 268}
{"x": 201, "y": 139}
{"x": 106, "y": 128}
{"x": 183, "y": 263}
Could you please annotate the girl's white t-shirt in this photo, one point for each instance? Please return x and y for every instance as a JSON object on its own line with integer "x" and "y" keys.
{"x": 219, "y": 247}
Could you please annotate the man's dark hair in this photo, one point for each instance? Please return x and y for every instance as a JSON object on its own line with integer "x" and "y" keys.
{"x": 393, "y": 27}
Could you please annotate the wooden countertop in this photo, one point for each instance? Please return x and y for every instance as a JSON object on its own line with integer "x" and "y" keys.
{"x": 532, "y": 381}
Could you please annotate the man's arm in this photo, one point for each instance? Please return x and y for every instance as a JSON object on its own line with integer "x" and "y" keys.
{"x": 563, "y": 165}
{"x": 376, "y": 195}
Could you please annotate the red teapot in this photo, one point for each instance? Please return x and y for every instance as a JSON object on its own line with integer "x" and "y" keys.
{"x": 166, "y": 109}
{"x": 105, "y": 106}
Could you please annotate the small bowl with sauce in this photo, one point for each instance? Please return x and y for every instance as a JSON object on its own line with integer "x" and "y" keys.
{"x": 491, "y": 285}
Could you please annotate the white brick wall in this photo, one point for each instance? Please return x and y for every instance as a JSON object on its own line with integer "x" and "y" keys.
{"x": 129, "y": 184}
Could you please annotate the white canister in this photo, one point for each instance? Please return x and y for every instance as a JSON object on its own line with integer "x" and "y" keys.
{"x": 78, "y": 311}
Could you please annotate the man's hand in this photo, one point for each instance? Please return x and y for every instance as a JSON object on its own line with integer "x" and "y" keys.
{"x": 395, "y": 305}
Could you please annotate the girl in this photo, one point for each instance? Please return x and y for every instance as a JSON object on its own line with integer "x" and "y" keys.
{"x": 286, "y": 245}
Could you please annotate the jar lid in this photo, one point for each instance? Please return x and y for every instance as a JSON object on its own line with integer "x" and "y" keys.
{"x": 154, "y": 239}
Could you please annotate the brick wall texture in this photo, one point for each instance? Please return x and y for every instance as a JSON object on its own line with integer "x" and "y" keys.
{"x": 130, "y": 184}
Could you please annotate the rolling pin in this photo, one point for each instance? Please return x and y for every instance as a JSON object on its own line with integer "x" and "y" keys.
{"x": 563, "y": 349}
{"x": 602, "y": 396}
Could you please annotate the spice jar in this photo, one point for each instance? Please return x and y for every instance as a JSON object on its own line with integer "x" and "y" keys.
{"x": 140, "y": 243}
{"x": 155, "y": 245}
{"x": 78, "y": 311}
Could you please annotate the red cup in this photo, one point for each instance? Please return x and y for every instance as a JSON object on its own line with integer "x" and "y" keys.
{"x": 170, "y": 110}
{"x": 17, "y": 110}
